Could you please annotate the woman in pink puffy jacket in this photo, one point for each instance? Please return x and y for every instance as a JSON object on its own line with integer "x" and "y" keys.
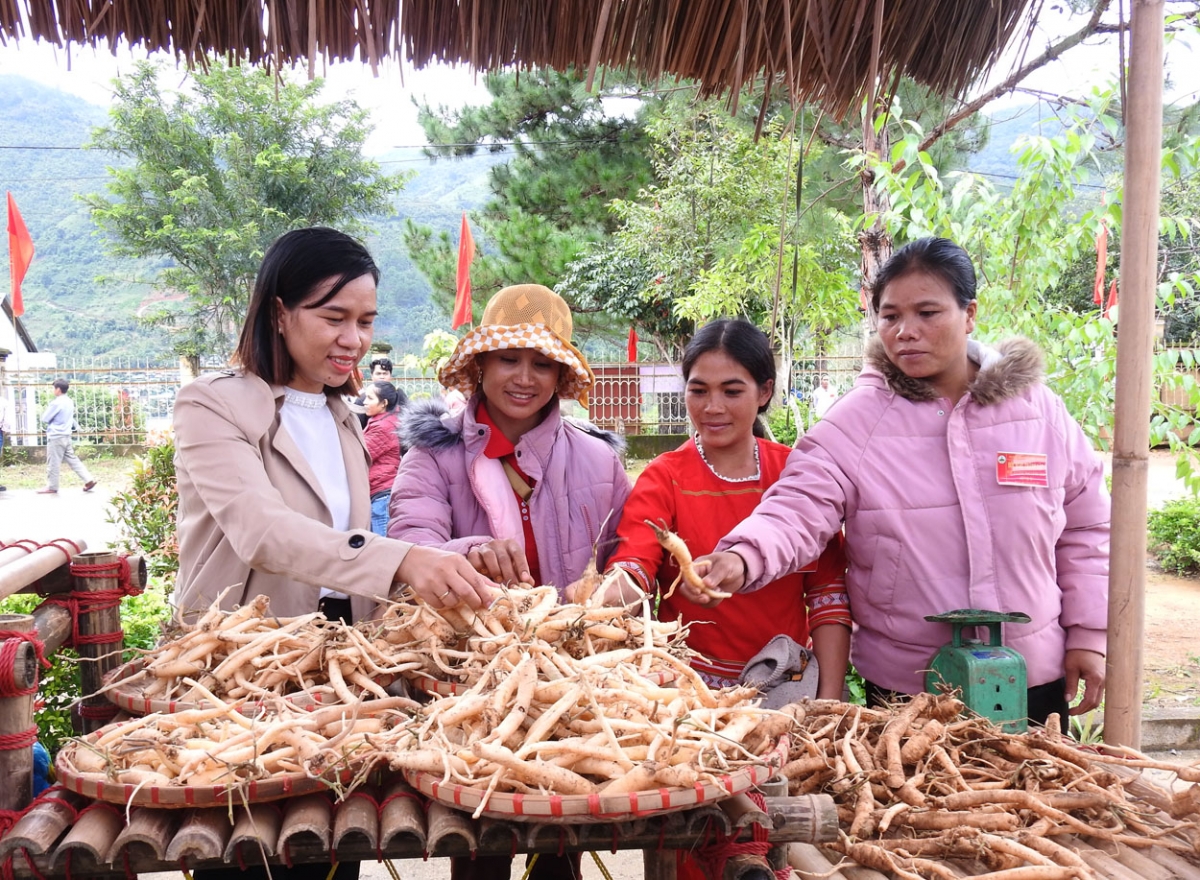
{"x": 962, "y": 481}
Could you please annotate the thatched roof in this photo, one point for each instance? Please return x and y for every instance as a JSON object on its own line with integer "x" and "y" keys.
{"x": 825, "y": 51}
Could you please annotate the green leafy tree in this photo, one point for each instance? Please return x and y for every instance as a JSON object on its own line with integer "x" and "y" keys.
{"x": 719, "y": 235}
{"x": 571, "y": 156}
{"x": 217, "y": 173}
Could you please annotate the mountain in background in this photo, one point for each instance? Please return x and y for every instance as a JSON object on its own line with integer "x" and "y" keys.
{"x": 80, "y": 302}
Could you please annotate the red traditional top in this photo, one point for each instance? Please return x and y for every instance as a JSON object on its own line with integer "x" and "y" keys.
{"x": 679, "y": 489}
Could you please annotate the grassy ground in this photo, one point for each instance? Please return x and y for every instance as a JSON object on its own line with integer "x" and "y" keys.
{"x": 108, "y": 470}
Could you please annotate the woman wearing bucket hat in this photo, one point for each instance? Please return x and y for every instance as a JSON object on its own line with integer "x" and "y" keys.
{"x": 527, "y": 495}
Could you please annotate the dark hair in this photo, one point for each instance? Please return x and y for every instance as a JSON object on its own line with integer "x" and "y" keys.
{"x": 381, "y": 362}
{"x": 936, "y": 256}
{"x": 743, "y": 342}
{"x": 389, "y": 394}
{"x": 63, "y": 385}
{"x": 292, "y": 268}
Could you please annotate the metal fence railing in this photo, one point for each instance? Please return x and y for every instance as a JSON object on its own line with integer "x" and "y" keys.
{"x": 117, "y": 401}
{"x": 121, "y": 401}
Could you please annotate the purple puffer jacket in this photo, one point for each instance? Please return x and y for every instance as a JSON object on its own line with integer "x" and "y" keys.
{"x": 929, "y": 525}
{"x": 446, "y": 487}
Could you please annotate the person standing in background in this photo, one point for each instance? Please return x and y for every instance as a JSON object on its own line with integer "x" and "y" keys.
{"x": 59, "y": 419}
{"x": 823, "y": 397}
{"x": 382, "y": 402}
{"x": 381, "y": 370}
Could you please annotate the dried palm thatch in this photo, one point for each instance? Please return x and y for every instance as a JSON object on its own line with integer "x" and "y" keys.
{"x": 824, "y": 51}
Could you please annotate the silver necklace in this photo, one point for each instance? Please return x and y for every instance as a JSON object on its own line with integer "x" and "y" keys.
{"x": 750, "y": 479}
{"x": 304, "y": 399}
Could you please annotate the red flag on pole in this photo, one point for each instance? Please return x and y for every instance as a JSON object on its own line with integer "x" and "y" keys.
{"x": 462, "y": 292}
{"x": 20, "y": 254}
{"x": 1101, "y": 265}
{"x": 633, "y": 341}
{"x": 1112, "y": 302}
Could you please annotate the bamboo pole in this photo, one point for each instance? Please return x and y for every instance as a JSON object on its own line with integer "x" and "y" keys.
{"x": 97, "y": 658}
{"x": 19, "y": 568}
{"x": 1131, "y": 434}
{"x": 16, "y": 717}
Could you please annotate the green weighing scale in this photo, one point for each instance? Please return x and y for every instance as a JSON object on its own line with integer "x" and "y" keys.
{"x": 990, "y": 676}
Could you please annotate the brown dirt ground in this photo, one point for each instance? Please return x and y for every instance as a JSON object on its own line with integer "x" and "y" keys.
{"x": 1171, "y": 652}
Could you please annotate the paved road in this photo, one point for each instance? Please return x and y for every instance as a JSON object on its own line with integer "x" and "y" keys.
{"x": 72, "y": 513}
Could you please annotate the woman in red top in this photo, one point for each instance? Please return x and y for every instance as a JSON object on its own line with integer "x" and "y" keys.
{"x": 708, "y": 485}
{"x": 382, "y": 403}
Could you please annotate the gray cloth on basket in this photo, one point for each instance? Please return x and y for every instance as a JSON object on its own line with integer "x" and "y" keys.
{"x": 784, "y": 671}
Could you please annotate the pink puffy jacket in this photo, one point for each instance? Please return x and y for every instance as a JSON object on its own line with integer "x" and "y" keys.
{"x": 446, "y": 495}
{"x": 930, "y": 525}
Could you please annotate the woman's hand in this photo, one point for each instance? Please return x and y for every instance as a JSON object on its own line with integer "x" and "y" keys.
{"x": 723, "y": 572}
{"x": 445, "y": 579}
{"x": 503, "y": 561}
{"x": 1089, "y": 666}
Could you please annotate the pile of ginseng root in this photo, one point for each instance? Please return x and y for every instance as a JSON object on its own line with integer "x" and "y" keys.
{"x": 551, "y": 698}
{"x": 920, "y": 786}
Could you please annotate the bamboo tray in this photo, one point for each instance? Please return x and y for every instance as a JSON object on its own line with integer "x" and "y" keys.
{"x": 99, "y": 787}
{"x": 575, "y": 809}
{"x": 579, "y": 809}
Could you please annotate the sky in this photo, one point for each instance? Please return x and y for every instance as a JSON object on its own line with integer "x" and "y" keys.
{"x": 88, "y": 74}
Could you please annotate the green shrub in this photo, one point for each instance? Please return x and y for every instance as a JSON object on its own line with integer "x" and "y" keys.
{"x": 145, "y": 512}
{"x": 1174, "y": 535}
{"x": 782, "y": 425}
{"x": 59, "y": 687}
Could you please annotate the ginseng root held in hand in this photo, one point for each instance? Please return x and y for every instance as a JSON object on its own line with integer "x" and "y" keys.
{"x": 674, "y": 545}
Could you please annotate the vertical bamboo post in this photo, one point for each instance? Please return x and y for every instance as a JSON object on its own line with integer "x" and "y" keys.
{"x": 1131, "y": 434}
{"x": 17, "y": 729}
{"x": 777, "y": 855}
{"x": 99, "y": 630}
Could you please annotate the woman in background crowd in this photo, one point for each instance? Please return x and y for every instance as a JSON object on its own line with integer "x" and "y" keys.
{"x": 382, "y": 402}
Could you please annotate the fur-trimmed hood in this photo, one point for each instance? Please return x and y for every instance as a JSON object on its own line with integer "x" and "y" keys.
{"x": 1004, "y": 371}
{"x": 427, "y": 424}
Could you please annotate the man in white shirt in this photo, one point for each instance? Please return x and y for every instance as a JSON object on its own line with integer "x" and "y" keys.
{"x": 59, "y": 419}
{"x": 823, "y": 397}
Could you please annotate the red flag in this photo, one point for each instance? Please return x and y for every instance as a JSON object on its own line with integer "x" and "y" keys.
{"x": 633, "y": 340}
{"x": 1112, "y": 301}
{"x": 20, "y": 254}
{"x": 462, "y": 292}
{"x": 1101, "y": 265}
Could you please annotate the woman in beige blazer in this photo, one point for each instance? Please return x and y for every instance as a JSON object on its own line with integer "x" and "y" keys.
{"x": 271, "y": 466}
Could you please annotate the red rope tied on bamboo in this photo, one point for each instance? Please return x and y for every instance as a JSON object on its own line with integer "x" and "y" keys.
{"x": 9, "y": 648}
{"x": 79, "y": 603}
{"x": 10, "y": 645}
{"x": 9, "y": 818}
{"x": 718, "y": 848}
{"x": 29, "y": 545}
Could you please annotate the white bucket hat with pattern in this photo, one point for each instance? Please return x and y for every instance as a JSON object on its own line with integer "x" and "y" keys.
{"x": 522, "y": 316}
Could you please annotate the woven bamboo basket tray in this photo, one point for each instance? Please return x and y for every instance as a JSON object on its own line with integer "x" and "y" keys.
{"x": 99, "y": 787}
{"x": 579, "y": 809}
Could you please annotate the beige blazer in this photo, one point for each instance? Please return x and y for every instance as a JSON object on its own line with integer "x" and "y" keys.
{"x": 251, "y": 511}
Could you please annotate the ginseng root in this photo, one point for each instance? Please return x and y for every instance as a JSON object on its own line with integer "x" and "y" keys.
{"x": 674, "y": 545}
